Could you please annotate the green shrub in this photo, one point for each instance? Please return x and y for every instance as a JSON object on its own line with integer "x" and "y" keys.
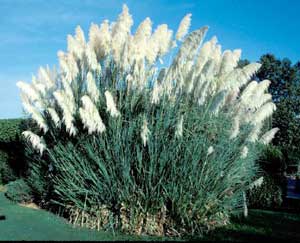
{"x": 267, "y": 196}
{"x": 10, "y": 130}
{"x": 272, "y": 160}
{"x": 12, "y": 162}
{"x": 18, "y": 191}
{"x": 6, "y": 172}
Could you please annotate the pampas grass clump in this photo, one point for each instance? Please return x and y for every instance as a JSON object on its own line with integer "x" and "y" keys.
{"x": 127, "y": 140}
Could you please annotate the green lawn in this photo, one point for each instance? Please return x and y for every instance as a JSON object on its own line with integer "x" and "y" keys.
{"x": 261, "y": 225}
{"x": 31, "y": 224}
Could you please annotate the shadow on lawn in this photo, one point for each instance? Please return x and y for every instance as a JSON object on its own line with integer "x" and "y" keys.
{"x": 261, "y": 225}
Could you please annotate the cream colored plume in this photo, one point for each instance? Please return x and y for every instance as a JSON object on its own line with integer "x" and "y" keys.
{"x": 183, "y": 27}
{"x": 113, "y": 58}
{"x": 145, "y": 133}
{"x": 110, "y": 104}
{"x": 179, "y": 128}
{"x": 35, "y": 141}
{"x": 269, "y": 135}
{"x": 92, "y": 88}
{"x": 90, "y": 116}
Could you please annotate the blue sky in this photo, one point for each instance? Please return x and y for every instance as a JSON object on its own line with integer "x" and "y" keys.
{"x": 32, "y": 31}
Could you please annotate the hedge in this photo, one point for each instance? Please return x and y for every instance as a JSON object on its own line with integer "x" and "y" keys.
{"x": 11, "y": 149}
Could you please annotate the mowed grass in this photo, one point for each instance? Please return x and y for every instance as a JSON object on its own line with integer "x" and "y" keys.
{"x": 260, "y": 226}
{"x": 24, "y": 223}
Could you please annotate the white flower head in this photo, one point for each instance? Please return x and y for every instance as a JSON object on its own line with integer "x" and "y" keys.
{"x": 28, "y": 90}
{"x": 91, "y": 59}
{"x": 92, "y": 88}
{"x": 35, "y": 141}
{"x": 179, "y": 128}
{"x": 210, "y": 150}
{"x": 111, "y": 106}
{"x": 68, "y": 108}
{"x": 156, "y": 93}
{"x": 54, "y": 116}
{"x": 269, "y": 135}
{"x": 183, "y": 27}
{"x": 257, "y": 183}
{"x": 244, "y": 152}
{"x": 90, "y": 116}
{"x": 145, "y": 132}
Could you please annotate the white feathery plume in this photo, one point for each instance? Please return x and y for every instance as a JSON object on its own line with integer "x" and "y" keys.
{"x": 28, "y": 90}
{"x": 257, "y": 183}
{"x": 152, "y": 51}
{"x": 236, "y": 55}
{"x": 203, "y": 93}
{"x": 205, "y": 53}
{"x": 62, "y": 62}
{"x": 239, "y": 77}
{"x": 79, "y": 36}
{"x": 94, "y": 37}
{"x": 45, "y": 76}
{"x": 100, "y": 39}
{"x": 36, "y": 116}
{"x": 35, "y": 141}
{"x": 183, "y": 27}
{"x": 259, "y": 101}
{"x": 156, "y": 93}
{"x": 250, "y": 69}
{"x": 67, "y": 88}
{"x": 68, "y": 110}
{"x": 120, "y": 32}
{"x": 41, "y": 88}
{"x": 145, "y": 132}
{"x": 162, "y": 39}
{"x": 91, "y": 59}
{"x": 269, "y": 135}
{"x": 259, "y": 91}
{"x": 189, "y": 47}
{"x": 232, "y": 96}
{"x": 254, "y": 134}
{"x": 263, "y": 112}
{"x": 111, "y": 106}
{"x": 74, "y": 47}
{"x": 228, "y": 63}
{"x": 179, "y": 128}
{"x": 235, "y": 127}
{"x": 90, "y": 116}
{"x": 143, "y": 32}
{"x": 54, "y": 116}
{"x": 92, "y": 88}
{"x": 138, "y": 44}
{"x": 248, "y": 92}
{"x": 73, "y": 67}
{"x": 210, "y": 150}
{"x": 68, "y": 65}
{"x": 244, "y": 152}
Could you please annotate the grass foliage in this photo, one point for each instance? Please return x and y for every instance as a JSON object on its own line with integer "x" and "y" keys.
{"x": 171, "y": 186}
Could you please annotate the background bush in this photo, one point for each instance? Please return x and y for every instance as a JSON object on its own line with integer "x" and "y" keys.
{"x": 271, "y": 193}
{"x": 18, "y": 191}
{"x": 12, "y": 162}
{"x": 267, "y": 196}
